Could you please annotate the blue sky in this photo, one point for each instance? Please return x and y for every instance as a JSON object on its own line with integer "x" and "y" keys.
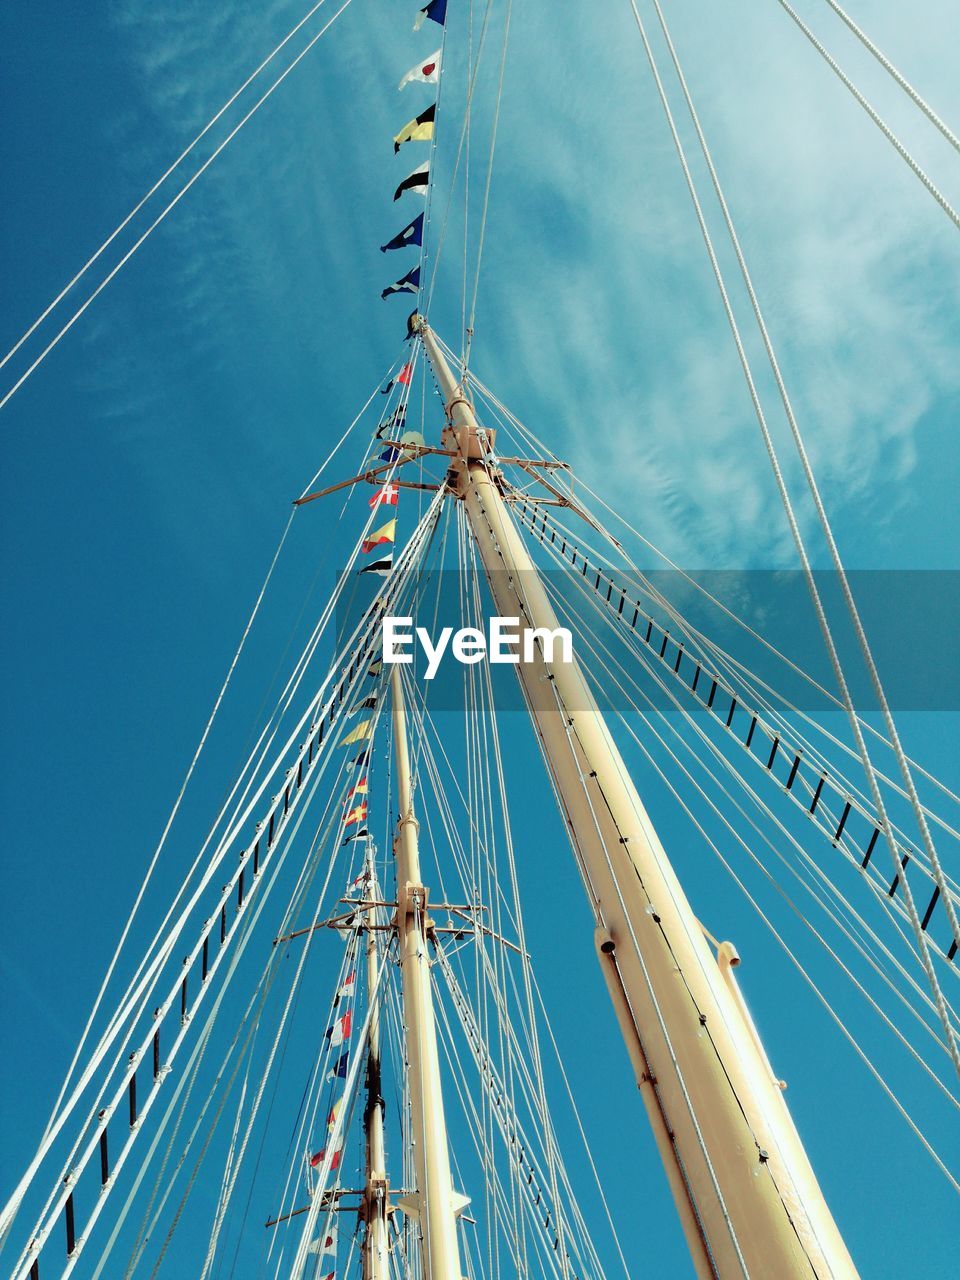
{"x": 149, "y": 464}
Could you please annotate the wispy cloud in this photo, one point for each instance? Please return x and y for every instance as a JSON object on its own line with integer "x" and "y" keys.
{"x": 598, "y": 318}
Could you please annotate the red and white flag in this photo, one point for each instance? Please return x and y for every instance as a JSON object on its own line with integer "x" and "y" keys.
{"x": 347, "y": 986}
{"x": 317, "y": 1160}
{"x": 387, "y": 496}
{"x": 426, "y": 72}
{"x": 324, "y": 1244}
{"x": 340, "y": 1030}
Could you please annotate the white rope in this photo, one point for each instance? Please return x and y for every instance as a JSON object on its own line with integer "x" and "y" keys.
{"x": 156, "y": 186}
{"x": 888, "y": 66}
{"x": 605, "y": 655}
{"x": 413, "y": 547}
{"x": 468, "y": 335}
{"x": 530, "y": 439}
{"x": 166, "y": 831}
{"x": 919, "y": 934}
{"x": 456, "y": 163}
{"x": 167, "y": 209}
{"x": 608, "y": 661}
{"x": 885, "y": 129}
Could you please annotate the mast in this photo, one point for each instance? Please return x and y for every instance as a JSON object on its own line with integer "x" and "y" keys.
{"x": 747, "y": 1197}
{"x": 435, "y": 1204}
{"x": 375, "y": 1260}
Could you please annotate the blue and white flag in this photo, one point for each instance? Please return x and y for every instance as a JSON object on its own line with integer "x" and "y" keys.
{"x": 410, "y": 283}
{"x": 411, "y": 234}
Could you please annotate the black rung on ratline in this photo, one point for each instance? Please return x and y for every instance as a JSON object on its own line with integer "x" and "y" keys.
{"x": 35, "y": 1269}
{"x": 896, "y": 879}
{"x": 816, "y": 795}
{"x": 204, "y": 959}
{"x": 104, "y": 1157}
{"x": 773, "y": 753}
{"x": 183, "y": 999}
{"x": 842, "y": 823}
{"x": 156, "y": 1053}
{"x": 240, "y": 888}
{"x": 223, "y": 924}
{"x": 71, "y": 1232}
{"x": 929, "y": 911}
{"x": 270, "y": 831}
{"x": 676, "y": 665}
{"x": 793, "y": 772}
{"x": 873, "y": 840}
{"x": 646, "y": 638}
{"x": 733, "y": 707}
{"x": 132, "y": 1096}
{"x": 663, "y": 647}
{"x": 753, "y": 725}
{"x": 696, "y": 679}
{"x": 712, "y": 694}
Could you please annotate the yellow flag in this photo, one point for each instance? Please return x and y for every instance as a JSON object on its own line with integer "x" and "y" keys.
{"x": 419, "y": 129}
{"x": 386, "y": 533}
{"x": 358, "y": 734}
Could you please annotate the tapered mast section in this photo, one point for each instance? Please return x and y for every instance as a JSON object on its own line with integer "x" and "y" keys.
{"x": 434, "y": 1204}
{"x": 748, "y": 1199}
{"x": 375, "y": 1259}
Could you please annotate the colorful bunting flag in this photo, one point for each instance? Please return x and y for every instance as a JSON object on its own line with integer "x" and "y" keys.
{"x": 347, "y": 986}
{"x": 318, "y": 1159}
{"x": 363, "y": 730}
{"x": 357, "y": 814}
{"x": 334, "y": 1112}
{"x": 410, "y": 283}
{"x": 381, "y": 568}
{"x": 368, "y": 703}
{"x": 389, "y": 454}
{"x": 419, "y": 129}
{"x": 436, "y": 11}
{"x": 362, "y": 834}
{"x": 418, "y": 181}
{"x": 340, "y": 1030}
{"x": 359, "y": 790}
{"x": 339, "y": 1069}
{"x": 414, "y": 321}
{"x": 403, "y": 377}
{"x": 387, "y": 496}
{"x": 376, "y": 666}
{"x": 386, "y": 533}
{"x": 394, "y": 425}
{"x": 426, "y": 72}
{"x": 324, "y": 1244}
{"x": 361, "y": 761}
{"x": 412, "y": 234}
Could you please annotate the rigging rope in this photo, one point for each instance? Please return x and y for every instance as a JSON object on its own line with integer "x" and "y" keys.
{"x": 888, "y": 66}
{"x": 167, "y": 209}
{"x": 468, "y": 334}
{"x": 887, "y": 132}
{"x": 798, "y": 539}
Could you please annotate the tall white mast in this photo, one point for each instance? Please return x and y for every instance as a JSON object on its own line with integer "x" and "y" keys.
{"x": 748, "y": 1199}
{"x": 375, "y": 1249}
{"x": 434, "y": 1203}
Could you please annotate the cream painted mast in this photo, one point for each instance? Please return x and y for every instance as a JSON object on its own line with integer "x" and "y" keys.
{"x": 375, "y": 1247}
{"x": 434, "y": 1203}
{"x": 748, "y": 1199}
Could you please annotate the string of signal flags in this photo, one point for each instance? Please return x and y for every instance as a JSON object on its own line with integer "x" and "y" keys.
{"x": 419, "y": 129}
